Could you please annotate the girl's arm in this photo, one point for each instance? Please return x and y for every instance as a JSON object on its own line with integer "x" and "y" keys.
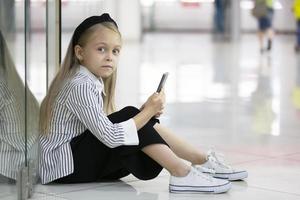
{"x": 83, "y": 102}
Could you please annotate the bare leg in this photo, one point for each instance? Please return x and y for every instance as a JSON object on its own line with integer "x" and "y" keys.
{"x": 181, "y": 147}
{"x": 164, "y": 156}
{"x": 261, "y": 39}
{"x": 270, "y": 33}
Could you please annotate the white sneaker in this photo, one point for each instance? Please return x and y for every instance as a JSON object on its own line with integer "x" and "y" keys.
{"x": 216, "y": 167}
{"x": 198, "y": 182}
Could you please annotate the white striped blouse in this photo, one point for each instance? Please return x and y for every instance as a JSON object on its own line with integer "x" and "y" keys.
{"x": 79, "y": 106}
{"x": 12, "y": 133}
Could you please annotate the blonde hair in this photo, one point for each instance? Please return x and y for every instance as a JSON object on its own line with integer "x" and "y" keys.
{"x": 67, "y": 70}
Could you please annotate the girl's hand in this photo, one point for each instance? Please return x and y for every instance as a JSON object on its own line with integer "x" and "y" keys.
{"x": 155, "y": 104}
{"x": 159, "y": 114}
{"x": 152, "y": 107}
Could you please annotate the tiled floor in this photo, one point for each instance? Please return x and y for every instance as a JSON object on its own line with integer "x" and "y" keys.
{"x": 220, "y": 95}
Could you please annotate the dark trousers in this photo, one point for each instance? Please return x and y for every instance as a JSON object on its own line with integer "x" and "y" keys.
{"x": 93, "y": 161}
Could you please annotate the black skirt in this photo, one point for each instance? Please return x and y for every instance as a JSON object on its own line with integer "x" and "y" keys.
{"x": 93, "y": 161}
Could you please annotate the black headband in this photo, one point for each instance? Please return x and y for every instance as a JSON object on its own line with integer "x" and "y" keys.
{"x": 88, "y": 22}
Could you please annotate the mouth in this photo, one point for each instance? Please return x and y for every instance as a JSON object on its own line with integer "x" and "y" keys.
{"x": 107, "y": 66}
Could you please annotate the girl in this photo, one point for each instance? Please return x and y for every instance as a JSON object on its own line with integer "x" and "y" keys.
{"x": 83, "y": 138}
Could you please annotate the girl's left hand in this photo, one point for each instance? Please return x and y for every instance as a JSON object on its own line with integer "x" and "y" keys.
{"x": 158, "y": 114}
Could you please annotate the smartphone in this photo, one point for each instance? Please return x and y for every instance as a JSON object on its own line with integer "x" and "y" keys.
{"x": 162, "y": 81}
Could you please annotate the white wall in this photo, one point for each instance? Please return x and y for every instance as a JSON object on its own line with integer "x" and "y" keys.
{"x": 127, "y": 13}
{"x": 129, "y": 16}
{"x": 166, "y": 15}
{"x": 173, "y": 15}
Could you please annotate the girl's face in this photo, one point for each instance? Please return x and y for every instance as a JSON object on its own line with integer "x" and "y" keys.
{"x": 100, "y": 54}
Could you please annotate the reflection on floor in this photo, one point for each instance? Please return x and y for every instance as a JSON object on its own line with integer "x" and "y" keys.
{"x": 220, "y": 95}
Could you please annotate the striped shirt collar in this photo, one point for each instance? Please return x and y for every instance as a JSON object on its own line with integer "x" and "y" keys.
{"x": 98, "y": 81}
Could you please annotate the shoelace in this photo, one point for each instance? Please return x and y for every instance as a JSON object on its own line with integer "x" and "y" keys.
{"x": 203, "y": 175}
{"x": 218, "y": 158}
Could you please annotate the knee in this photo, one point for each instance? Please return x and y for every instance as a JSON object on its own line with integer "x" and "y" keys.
{"x": 131, "y": 110}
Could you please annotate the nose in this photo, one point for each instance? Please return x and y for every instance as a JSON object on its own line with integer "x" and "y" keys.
{"x": 109, "y": 56}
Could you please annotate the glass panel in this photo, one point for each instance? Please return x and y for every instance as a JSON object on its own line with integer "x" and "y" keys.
{"x": 35, "y": 78}
{"x": 53, "y": 47}
{"x": 22, "y": 87}
{"x": 12, "y": 95}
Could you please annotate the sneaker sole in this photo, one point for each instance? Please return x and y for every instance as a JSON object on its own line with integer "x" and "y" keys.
{"x": 200, "y": 189}
{"x": 231, "y": 177}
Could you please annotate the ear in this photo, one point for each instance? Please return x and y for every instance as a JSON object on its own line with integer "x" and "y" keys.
{"x": 78, "y": 52}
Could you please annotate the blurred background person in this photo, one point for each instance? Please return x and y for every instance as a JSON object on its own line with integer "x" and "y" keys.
{"x": 296, "y": 11}
{"x": 220, "y": 18}
{"x": 264, "y": 10}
